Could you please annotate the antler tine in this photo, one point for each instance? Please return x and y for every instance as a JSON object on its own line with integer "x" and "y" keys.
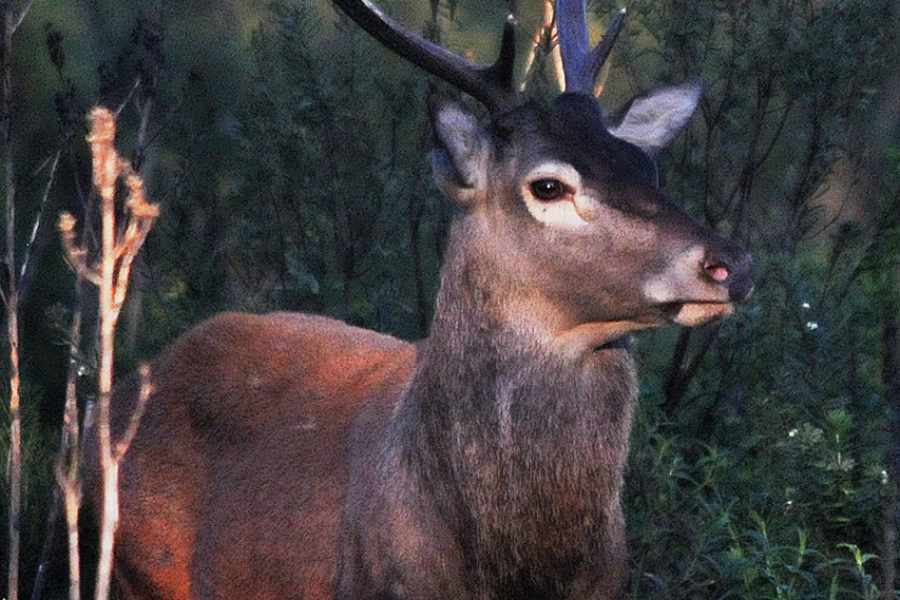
{"x": 579, "y": 64}
{"x": 492, "y": 85}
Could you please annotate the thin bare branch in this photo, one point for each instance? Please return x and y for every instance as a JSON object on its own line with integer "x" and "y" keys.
{"x": 128, "y": 97}
{"x": 3, "y": 298}
{"x": 37, "y": 220}
{"x": 26, "y": 259}
{"x": 76, "y": 255}
{"x": 68, "y": 463}
{"x": 21, "y": 16}
{"x": 142, "y": 215}
{"x": 11, "y": 300}
{"x": 146, "y": 390}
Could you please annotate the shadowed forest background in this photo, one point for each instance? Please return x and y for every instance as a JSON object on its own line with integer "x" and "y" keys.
{"x": 289, "y": 154}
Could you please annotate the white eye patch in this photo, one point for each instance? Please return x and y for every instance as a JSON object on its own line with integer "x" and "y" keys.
{"x": 567, "y": 211}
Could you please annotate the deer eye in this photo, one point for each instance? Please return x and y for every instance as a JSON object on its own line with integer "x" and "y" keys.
{"x": 548, "y": 189}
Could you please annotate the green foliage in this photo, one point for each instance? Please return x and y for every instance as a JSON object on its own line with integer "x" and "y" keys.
{"x": 768, "y": 516}
{"x": 336, "y": 135}
{"x": 760, "y": 464}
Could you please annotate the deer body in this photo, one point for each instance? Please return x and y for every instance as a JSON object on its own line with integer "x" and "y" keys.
{"x": 195, "y": 500}
{"x": 291, "y": 456}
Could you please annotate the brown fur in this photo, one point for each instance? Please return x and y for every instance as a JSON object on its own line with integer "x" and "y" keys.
{"x": 233, "y": 390}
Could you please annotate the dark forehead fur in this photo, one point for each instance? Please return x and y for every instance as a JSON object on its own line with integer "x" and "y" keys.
{"x": 573, "y": 130}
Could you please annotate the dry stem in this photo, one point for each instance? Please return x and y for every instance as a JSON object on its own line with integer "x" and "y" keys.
{"x": 111, "y": 276}
{"x": 68, "y": 461}
{"x": 10, "y": 22}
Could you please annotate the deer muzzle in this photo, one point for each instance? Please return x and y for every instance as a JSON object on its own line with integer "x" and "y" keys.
{"x": 701, "y": 285}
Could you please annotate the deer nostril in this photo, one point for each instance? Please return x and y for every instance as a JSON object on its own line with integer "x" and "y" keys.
{"x": 717, "y": 271}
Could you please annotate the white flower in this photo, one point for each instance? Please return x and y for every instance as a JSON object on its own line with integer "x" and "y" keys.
{"x": 811, "y": 325}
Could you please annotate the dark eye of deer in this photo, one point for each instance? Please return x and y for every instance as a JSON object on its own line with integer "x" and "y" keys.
{"x": 548, "y": 189}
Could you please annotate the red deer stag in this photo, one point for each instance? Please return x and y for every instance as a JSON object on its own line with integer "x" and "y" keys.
{"x": 293, "y": 456}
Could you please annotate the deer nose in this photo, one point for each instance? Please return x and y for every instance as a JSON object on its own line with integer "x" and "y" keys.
{"x": 731, "y": 268}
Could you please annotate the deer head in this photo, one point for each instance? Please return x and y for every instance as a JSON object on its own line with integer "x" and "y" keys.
{"x": 566, "y": 205}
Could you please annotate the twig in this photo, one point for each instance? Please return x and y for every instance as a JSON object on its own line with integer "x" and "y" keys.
{"x": 76, "y": 255}
{"x": 128, "y": 96}
{"x": 21, "y": 16}
{"x": 68, "y": 460}
{"x": 26, "y": 259}
{"x": 143, "y": 396}
{"x": 48, "y": 545}
{"x": 11, "y": 300}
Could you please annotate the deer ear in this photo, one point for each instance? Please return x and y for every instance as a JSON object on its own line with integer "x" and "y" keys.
{"x": 651, "y": 121}
{"x": 461, "y": 150}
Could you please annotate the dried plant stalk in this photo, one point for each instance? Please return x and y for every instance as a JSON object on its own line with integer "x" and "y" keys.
{"x": 11, "y": 299}
{"x": 111, "y": 276}
{"x": 68, "y": 460}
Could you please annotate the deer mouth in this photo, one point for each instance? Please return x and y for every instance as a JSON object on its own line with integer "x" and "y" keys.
{"x": 692, "y": 314}
{"x": 608, "y": 334}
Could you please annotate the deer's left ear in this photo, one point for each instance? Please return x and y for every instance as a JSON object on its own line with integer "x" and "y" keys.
{"x": 461, "y": 150}
{"x": 651, "y": 121}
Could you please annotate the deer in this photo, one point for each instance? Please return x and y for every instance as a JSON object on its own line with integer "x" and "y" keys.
{"x": 289, "y": 455}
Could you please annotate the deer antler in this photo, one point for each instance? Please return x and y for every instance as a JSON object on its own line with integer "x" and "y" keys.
{"x": 581, "y": 65}
{"x": 492, "y": 85}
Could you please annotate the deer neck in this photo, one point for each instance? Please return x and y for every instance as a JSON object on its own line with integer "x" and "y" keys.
{"x": 511, "y": 436}
{"x": 493, "y": 363}
{"x": 516, "y": 425}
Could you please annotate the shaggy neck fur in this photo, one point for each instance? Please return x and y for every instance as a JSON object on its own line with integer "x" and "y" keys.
{"x": 521, "y": 445}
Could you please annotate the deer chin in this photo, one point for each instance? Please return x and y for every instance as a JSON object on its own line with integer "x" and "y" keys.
{"x": 588, "y": 337}
{"x": 692, "y": 314}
